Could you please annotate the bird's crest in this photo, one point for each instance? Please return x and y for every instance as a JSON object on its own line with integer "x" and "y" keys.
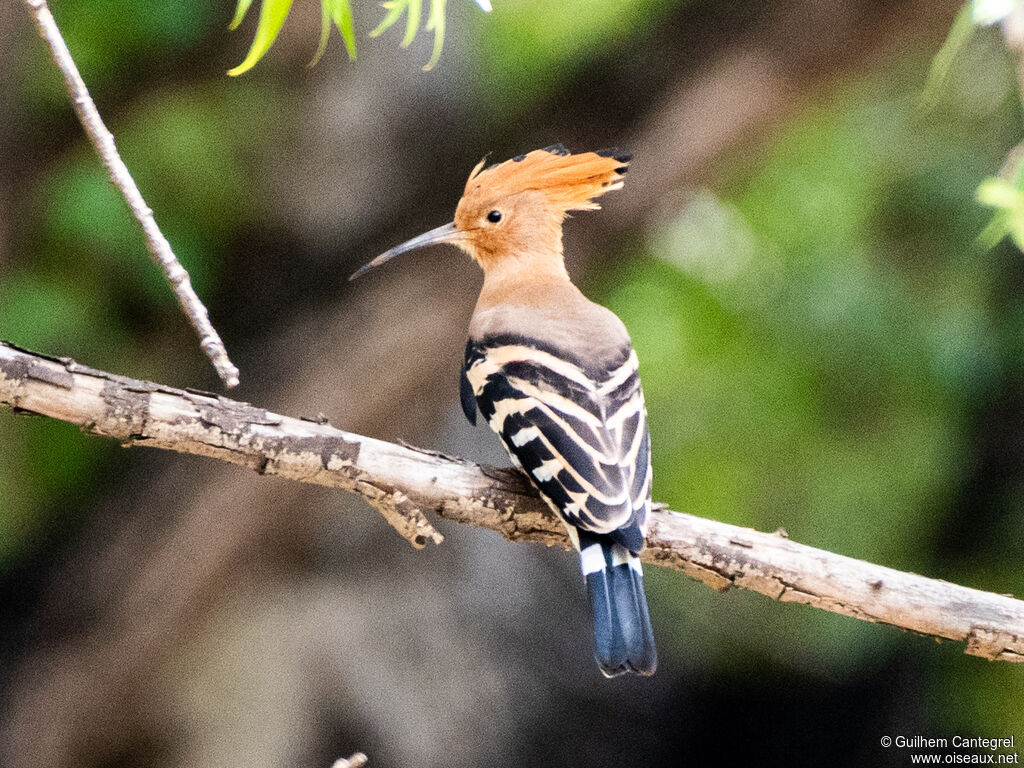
{"x": 568, "y": 181}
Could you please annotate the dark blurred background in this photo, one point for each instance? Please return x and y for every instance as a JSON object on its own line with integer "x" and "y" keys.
{"x": 825, "y": 347}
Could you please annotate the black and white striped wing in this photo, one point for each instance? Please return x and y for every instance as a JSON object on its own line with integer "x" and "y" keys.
{"x": 579, "y": 434}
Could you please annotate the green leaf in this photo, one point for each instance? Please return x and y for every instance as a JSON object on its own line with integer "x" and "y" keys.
{"x": 341, "y": 12}
{"x": 240, "y": 11}
{"x": 272, "y": 16}
{"x": 325, "y": 33}
{"x": 274, "y": 12}
{"x": 999, "y": 193}
{"x": 435, "y": 24}
{"x": 412, "y": 22}
{"x": 1008, "y": 219}
{"x": 394, "y": 9}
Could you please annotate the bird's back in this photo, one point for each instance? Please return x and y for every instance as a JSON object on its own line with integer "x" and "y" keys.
{"x": 557, "y": 379}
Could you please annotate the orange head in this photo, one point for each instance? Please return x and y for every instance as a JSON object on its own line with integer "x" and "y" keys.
{"x": 515, "y": 209}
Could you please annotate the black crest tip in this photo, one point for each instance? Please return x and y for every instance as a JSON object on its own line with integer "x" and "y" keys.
{"x": 557, "y": 149}
{"x": 616, "y": 154}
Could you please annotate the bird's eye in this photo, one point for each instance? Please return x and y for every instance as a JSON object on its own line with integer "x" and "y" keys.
{"x": 494, "y": 217}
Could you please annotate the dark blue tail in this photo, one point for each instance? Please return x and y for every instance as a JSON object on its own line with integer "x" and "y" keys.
{"x": 623, "y": 639}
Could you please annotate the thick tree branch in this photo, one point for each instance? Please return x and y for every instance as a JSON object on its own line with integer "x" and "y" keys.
{"x": 159, "y": 249}
{"x": 402, "y": 482}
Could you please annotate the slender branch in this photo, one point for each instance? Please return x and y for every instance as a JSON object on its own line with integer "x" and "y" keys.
{"x": 160, "y": 250}
{"x": 402, "y": 482}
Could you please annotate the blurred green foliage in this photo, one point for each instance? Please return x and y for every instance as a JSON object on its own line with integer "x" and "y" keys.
{"x": 526, "y": 55}
{"x": 815, "y": 336}
{"x": 810, "y": 361}
{"x": 105, "y": 51}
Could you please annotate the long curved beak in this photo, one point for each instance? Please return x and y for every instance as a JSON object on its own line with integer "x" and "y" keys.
{"x": 445, "y": 234}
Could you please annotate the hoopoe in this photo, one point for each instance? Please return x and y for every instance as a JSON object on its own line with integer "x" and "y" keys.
{"x": 555, "y": 375}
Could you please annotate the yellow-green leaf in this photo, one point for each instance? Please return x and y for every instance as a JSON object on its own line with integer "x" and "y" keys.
{"x": 412, "y": 22}
{"x": 274, "y": 12}
{"x": 240, "y": 11}
{"x": 394, "y": 9}
{"x": 272, "y": 16}
{"x": 435, "y": 24}
{"x": 999, "y": 193}
{"x": 325, "y": 33}
{"x": 414, "y": 9}
{"x": 341, "y": 12}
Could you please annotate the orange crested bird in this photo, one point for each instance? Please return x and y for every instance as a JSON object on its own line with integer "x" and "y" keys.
{"x": 555, "y": 375}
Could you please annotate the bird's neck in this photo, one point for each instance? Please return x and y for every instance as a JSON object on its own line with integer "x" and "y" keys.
{"x": 520, "y": 278}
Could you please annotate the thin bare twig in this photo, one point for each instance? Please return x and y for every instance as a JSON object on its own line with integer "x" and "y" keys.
{"x": 160, "y": 250}
{"x": 403, "y": 482}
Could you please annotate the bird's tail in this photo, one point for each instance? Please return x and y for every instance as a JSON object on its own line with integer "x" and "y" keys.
{"x": 623, "y": 638}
